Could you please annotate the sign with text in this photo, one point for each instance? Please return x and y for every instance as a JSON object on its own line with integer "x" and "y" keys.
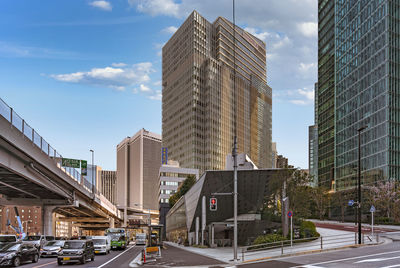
{"x": 164, "y": 155}
{"x": 83, "y": 167}
{"x": 73, "y": 163}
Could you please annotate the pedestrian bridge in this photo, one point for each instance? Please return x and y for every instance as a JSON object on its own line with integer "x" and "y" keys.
{"x": 31, "y": 174}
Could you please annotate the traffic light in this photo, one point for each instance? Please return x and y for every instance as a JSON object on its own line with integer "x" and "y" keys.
{"x": 213, "y": 204}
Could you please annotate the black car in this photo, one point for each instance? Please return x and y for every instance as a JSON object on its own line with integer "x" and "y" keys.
{"x": 16, "y": 253}
{"x": 76, "y": 251}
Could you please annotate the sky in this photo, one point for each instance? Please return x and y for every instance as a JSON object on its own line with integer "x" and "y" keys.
{"x": 85, "y": 74}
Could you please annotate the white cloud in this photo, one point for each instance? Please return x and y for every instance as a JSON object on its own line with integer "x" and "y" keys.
{"x": 157, "y": 83}
{"x": 301, "y": 96}
{"x": 156, "y": 96}
{"x": 308, "y": 29}
{"x": 305, "y": 68}
{"x": 170, "y": 30}
{"x": 156, "y": 7}
{"x": 101, "y": 4}
{"x": 117, "y": 78}
{"x": 118, "y": 64}
{"x": 308, "y": 93}
{"x": 260, "y": 35}
{"x": 144, "y": 88}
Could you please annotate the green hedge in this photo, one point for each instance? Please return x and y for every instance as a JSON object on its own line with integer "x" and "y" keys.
{"x": 308, "y": 229}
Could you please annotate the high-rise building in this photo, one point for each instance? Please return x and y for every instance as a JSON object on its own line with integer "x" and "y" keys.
{"x": 107, "y": 184}
{"x": 313, "y": 142}
{"x": 357, "y": 86}
{"x": 274, "y": 153}
{"x": 198, "y": 111}
{"x": 138, "y": 164}
{"x": 326, "y": 91}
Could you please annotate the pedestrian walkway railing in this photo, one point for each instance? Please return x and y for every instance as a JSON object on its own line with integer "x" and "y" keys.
{"x": 19, "y": 123}
{"x": 301, "y": 245}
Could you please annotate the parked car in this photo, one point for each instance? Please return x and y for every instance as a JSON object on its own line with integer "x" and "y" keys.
{"x": 16, "y": 253}
{"x": 37, "y": 240}
{"x": 102, "y": 244}
{"x": 76, "y": 251}
{"x": 51, "y": 248}
{"x": 7, "y": 239}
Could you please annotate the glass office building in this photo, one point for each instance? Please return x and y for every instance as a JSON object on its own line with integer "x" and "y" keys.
{"x": 366, "y": 90}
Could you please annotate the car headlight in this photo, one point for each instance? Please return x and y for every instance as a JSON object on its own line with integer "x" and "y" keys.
{"x": 80, "y": 252}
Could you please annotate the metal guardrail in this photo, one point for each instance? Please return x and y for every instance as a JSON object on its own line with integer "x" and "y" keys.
{"x": 305, "y": 244}
{"x": 19, "y": 123}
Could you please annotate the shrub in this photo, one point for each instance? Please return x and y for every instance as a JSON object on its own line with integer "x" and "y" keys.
{"x": 269, "y": 238}
{"x": 308, "y": 229}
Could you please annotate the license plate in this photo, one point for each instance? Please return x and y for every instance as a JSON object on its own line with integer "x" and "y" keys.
{"x": 66, "y": 258}
{"x": 96, "y": 251}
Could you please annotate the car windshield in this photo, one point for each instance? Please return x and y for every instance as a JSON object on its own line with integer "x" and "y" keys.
{"x": 7, "y": 239}
{"x": 74, "y": 245}
{"x": 10, "y": 247}
{"x": 115, "y": 236}
{"x": 99, "y": 241}
{"x": 49, "y": 238}
{"x": 55, "y": 244}
{"x": 32, "y": 238}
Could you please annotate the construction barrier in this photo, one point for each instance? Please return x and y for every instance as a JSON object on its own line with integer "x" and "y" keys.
{"x": 151, "y": 254}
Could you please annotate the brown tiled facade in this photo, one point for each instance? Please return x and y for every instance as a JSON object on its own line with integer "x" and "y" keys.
{"x": 31, "y": 217}
{"x": 198, "y": 96}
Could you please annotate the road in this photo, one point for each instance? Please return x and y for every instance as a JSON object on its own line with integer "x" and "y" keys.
{"x": 383, "y": 256}
{"x": 116, "y": 259}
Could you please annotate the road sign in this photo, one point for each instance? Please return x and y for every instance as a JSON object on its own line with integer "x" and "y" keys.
{"x": 290, "y": 214}
{"x": 74, "y": 163}
{"x": 372, "y": 209}
{"x": 351, "y": 203}
{"x": 83, "y": 167}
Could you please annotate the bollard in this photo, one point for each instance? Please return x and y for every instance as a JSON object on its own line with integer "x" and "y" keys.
{"x": 282, "y": 248}
{"x": 321, "y": 243}
{"x": 242, "y": 254}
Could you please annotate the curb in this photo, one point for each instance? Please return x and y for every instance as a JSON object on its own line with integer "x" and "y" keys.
{"x": 307, "y": 252}
{"x": 136, "y": 262}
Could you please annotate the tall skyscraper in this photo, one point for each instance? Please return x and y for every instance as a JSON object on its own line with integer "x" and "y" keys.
{"x": 138, "y": 163}
{"x": 359, "y": 69}
{"x": 198, "y": 95}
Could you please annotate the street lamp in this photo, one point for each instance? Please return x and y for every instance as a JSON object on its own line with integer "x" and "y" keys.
{"x": 359, "y": 182}
{"x": 92, "y": 151}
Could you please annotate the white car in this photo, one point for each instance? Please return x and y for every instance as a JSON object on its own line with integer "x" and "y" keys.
{"x": 102, "y": 244}
{"x": 141, "y": 239}
{"x": 37, "y": 240}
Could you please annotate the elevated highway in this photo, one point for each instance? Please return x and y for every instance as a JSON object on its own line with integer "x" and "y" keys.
{"x": 31, "y": 174}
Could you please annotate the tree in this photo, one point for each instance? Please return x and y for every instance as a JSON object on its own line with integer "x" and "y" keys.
{"x": 320, "y": 196}
{"x": 340, "y": 199}
{"x": 384, "y": 196}
{"x": 183, "y": 189}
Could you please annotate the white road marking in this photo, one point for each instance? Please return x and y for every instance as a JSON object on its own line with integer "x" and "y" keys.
{"x": 353, "y": 258}
{"x": 392, "y": 266}
{"x": 378, "y": 259}
{"x": 116, "y": 257}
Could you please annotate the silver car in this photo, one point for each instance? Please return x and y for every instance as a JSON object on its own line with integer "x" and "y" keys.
{"x": 51, "y": 248}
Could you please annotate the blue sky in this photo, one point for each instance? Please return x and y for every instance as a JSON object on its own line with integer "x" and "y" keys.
{"x": 86, "y": 74}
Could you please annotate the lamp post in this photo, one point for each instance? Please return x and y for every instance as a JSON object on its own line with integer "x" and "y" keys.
{"x": 359, "y": 182}
{"x": 92, "y": 151}
{"x": 26, "y": 225}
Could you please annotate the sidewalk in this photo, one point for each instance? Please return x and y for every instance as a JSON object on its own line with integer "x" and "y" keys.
{"x": 385, "y": 227}
{"x": 332, "y": 238}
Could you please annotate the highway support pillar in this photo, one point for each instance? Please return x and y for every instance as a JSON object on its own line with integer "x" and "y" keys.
{"x": 49, "y": 227}
{"x": 112, "y": 222}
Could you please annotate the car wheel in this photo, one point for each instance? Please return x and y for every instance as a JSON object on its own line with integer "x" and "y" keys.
{"x": 92, "y": 259}
{"x": 35, "y": 258}
{"x": 59, "y": 262}
{"x": 16, "y": 262}
{"x": 83, "y": 260}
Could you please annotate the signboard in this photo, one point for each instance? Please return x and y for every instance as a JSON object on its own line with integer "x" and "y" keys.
{"x": 164, "y": 155}
{"x": 290, "y": 214}
{"x": 372, "y": 209}
{"x": 351, "y": 203}
{"x": 83, "y": 167}
{"x": 73, "y": 163}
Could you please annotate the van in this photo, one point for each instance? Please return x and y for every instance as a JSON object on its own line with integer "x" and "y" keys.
{"x": 141, "y": 239}
{"x": 76, "y": 251}
{"x": 37, "y": 240}
{"x": 102, "y": 244}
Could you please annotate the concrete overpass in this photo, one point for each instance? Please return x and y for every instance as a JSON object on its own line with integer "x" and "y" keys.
{"x": 31, "y": 174}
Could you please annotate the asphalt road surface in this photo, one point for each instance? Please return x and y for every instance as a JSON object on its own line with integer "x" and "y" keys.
{"x": 383, "y": 256}
{"x": 116, "y": 259}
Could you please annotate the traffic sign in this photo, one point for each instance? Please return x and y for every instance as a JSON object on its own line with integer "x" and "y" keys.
{"x": 290, "y": 214}
{"x": 372, "y": 209}
{"x": 73, "y": 163}
{"x": 351, "y": 203}
{"x": 213, "y": 204}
